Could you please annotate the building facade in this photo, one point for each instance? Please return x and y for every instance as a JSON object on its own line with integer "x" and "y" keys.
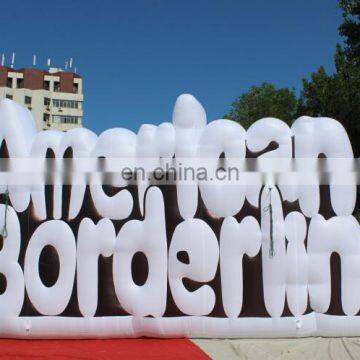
{"x": 54, "y": 97}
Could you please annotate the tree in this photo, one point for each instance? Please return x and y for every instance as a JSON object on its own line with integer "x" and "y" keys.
{"x": 335, "y": 96}
{"x": 263, "y": 101}
{"x": 350, "y": 28}
{"x": 338, "y": 95}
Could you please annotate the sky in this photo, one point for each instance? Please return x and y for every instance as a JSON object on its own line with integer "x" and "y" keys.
{"x": 137, "y": 56}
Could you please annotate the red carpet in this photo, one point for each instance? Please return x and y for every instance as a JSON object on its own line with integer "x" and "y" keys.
{"x": 100, "y": 349}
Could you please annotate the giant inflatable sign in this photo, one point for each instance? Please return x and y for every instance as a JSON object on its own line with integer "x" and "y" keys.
{"x": 101, "y": 256}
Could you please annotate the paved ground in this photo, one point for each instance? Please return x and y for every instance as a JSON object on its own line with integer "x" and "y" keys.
{"x": 177, "y": 349}
{"x": 314, "y": 348}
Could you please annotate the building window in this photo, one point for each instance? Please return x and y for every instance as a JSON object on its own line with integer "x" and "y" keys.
{"x": 66, "y": 119}
{"x": 75, "y": 88}
{"x": 27, "y": 100}
{"x": 71, "y": 104}
{"x": 46, "y": 85}
{"x": 19, "y": 83}
{"x": 46, "y": 117}
{"x": 9, "y": 82}
{"x": 47, "y": 101}
{"x": 8, "y": 96}
{"x": 57, "y": 86}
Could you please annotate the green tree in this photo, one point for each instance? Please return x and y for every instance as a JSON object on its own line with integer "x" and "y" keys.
{"x": 350, "y": 28}
{"x": 263, "y": 101}
{"x": 336, "y": 96}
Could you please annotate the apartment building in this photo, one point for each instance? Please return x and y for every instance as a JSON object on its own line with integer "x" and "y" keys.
{"x": 54, "y": 96}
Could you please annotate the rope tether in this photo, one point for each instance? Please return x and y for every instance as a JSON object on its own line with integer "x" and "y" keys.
{"x": 270, "y": 209}
{"x": 4, "y": 232}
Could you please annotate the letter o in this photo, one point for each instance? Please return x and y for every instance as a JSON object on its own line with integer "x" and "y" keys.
{"x": 51, "y": 300}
